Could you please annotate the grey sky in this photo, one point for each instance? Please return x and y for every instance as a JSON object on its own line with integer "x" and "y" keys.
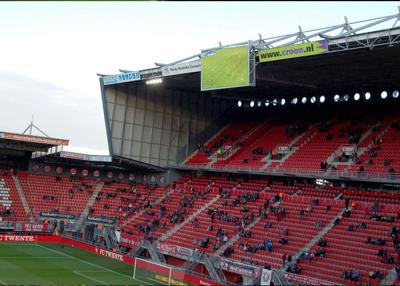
{"x": 50, "y": 51}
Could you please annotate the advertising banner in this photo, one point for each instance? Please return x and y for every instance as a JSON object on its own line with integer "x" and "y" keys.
{"x": 239, "y": 268}
{"x": 85, "y": 157}
{"x": 19, "y": 238}
{"x": 120, "y": 78}
{"x": 304, "y": 280}
{"x": 184, "y": 251}
{"x": 129, "y": 240}
{"x": 293, "y": 51}
{"x": 225, "y": 68}
{"x": 190, "y": 67}
{"x": 166, "y": 248}
{"x": 33, "y": 227}
{"x": 173, "y": 249}
{"x": 56, "y": 215}
{"x": 34, "y": 139}
{"x": 266, "y": 276}
{"x": 109, "y": 254}
{"x": 100, "y": 220}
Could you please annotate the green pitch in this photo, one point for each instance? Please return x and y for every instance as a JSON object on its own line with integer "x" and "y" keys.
{"x": 226, "y": 68}
{"x": 58, "y": 264}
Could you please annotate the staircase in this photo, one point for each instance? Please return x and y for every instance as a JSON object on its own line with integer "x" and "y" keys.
{"x": 177, "y": 227}
{"x": 205, "y": 144}
{"x": 143, "y": 210}
{"x": 252, "y": 134}
{"x": 89, "y": 204}
{"x": 21, "y": 194}
{"x": 390, "y": 278}
{"x": 295, "y": 149}
{"x": 314, "y": 239}
{"x": 236, "y": 237}
{"x": 292, "y": 150}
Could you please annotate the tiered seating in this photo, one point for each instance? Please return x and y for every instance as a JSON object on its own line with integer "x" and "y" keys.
{"x": 45, "y": 193}
{"x": 121, "y": 200}
{"x": 300, "y": 231}
{"x": 347, "y": 250}
{"x": 329, "y": 192}
{"x": 390, "y": 149}
{"x": 223, "y": 141}
{"x": 268, "y": 141}
{"x": 318, "y": 149}
{"x": 9, "y": 199}
{"x": 184, "y": 190}
{"x": 372, "y": 196}
{"x": 190, "y": 235}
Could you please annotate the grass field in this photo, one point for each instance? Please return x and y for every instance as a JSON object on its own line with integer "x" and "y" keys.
{"x": 226, "y": 68}
{"x": 58, "y": 264}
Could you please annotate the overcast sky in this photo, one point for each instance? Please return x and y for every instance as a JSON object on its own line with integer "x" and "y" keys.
{"x": 50, "y": 52}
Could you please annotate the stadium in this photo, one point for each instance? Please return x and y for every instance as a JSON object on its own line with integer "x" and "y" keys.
{"x": 273, "y": 161}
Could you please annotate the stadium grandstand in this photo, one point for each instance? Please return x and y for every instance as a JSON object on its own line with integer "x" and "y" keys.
{"x": 268, "y": 162}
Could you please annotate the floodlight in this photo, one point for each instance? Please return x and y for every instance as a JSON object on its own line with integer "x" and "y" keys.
{"x": 283, "y": 101}
{"x": 252, "y": 103}
{"x": 346, "y": 97}
{"x": 267, "y": 103}
{"x": 304, "y": 100}
{"x": 336, "y": 98}
{"x": 357, "y": 96}
{"x": 367, "y": 95}
{"x": 384, "y": 94}
{"x": 395, "y": 94}
{"x": 275, "y": 102}
{"x": 322, "y": 99}
{"x": 294, "y": 100}
{"x": 239, "y": 103}
{"x": 259, "y": 104}
{"x": 313, "y": 99}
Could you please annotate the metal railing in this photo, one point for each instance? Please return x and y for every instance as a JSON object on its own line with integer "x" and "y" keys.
{"x": 364, "y": 175}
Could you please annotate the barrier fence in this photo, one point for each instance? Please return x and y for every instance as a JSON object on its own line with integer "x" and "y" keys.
{"x": 175, "y": 276}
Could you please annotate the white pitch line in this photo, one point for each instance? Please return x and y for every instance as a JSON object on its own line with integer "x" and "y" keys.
{"x": 33, "y": 257}
{"x": 88, "y": 277}
{"x": 92, "y": 264}
{"x": 3, "y": 283}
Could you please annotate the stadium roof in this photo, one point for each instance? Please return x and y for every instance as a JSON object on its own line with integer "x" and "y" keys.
{"x": 355, "y": 53}
{"x": 23, "y": 142}
{"x": 94, "y": 161}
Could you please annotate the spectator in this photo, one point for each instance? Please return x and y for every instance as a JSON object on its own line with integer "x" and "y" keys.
{"x": 322, "y": 242}
{"x": 283, "y": 240}
{"x": 268, "y": 245}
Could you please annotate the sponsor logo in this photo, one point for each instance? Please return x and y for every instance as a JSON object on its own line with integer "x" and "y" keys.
{"x": 110, "y": 254}
{"x": 20, "y": 238}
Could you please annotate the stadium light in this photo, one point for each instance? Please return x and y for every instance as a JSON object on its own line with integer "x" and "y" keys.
{"x": 346, "y": 97}
{"x": 356, "y": 96}
{"x": 336, "y": 98}
{"x": 294, "y": 100}
{"x": 283, "y": 101}
{"x": 154, "y": 81}
{"x": 239, "y": 103}
{"x": 252, "y": 103}
{"x": 259, "y": 104}
{"x": 322, "y": 99}
{"x": 304, "y": 100}
{"x": 367, "y": 95}
{"x": 384, "y": 94}
{"x": 313, "y": 99}
{"x": 267, "y": 103}
{"x": 274, "y": 102}
{"x": 395, "y": 94}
